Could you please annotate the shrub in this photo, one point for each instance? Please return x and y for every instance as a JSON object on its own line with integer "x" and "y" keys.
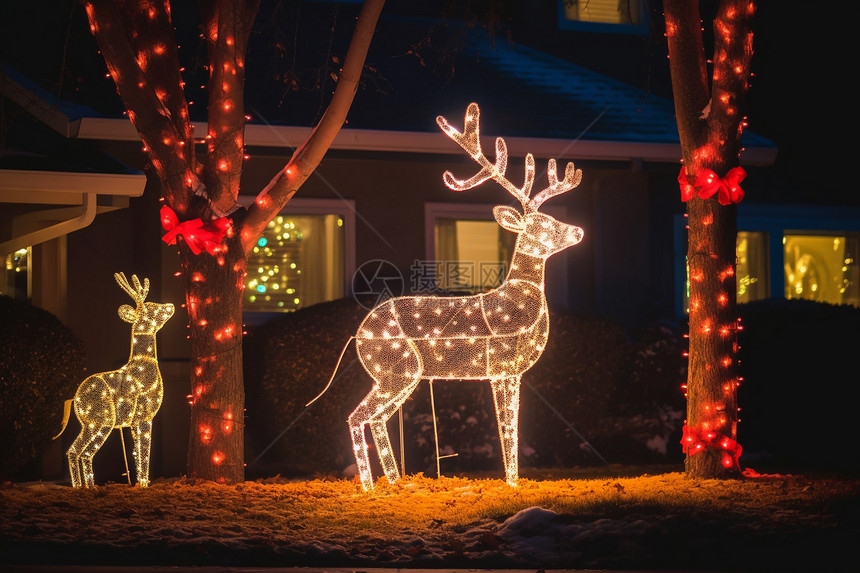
{"x": 651, "y": 402}
{"x": 579, "y": 375}
{"x": 799, "y": 363}
{"x": 288, "y": 362}
{"x": 43, "y": 364}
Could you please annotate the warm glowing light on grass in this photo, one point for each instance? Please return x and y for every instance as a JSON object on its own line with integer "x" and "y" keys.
{"x": 494, "y": 336}
{"x": 125, "y": 398}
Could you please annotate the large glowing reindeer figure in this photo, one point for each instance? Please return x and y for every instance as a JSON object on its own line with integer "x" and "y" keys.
{"x": 128, "y": 397}
{"x": 494, "y": 336}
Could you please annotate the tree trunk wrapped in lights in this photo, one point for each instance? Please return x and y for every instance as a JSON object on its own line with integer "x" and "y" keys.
{"x": 710, "y": 123}
{"x": 200, "y": 191}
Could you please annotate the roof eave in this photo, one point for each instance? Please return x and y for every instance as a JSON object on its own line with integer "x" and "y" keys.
{"x": 423, "y": 142}
{"x": 66, "y": 188}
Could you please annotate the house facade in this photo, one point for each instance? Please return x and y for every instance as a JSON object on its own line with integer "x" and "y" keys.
{"x": 376, "y": 216}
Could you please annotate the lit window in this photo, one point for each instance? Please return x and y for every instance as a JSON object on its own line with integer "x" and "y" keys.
{"x": 471, "y": 255}
{"x": 822, "y": 268}
{"x": 16, "y": 274}
{"x": 602, "y": 15}
{"x": 466, "y": 250}
{"x": 752, "y": 269}
{"x": 792, "y": 251}
{"x": 302, "y": 258}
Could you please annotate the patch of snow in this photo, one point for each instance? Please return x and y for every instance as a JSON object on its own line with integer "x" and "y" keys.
{"x": 533, "y": 534}
{"x": 528, "y": 520}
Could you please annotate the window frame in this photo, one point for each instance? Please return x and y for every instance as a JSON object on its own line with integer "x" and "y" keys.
{"x": 604, "y": 27}
{"x": 555, "y": 277}
{"x": 344, "y": 208}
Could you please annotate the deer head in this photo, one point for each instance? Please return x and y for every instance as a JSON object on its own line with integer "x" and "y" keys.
{"x": 540, "y": 235}
{"x": 146, "y": 317}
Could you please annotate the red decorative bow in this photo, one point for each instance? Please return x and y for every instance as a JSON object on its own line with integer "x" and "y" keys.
{"x": 198, "y": 236}
{"x": 694, "y": 441}
{"x": 707, "y": 183}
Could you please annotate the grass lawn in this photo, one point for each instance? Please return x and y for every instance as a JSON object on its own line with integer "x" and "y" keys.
{"x": 610, "y": 517}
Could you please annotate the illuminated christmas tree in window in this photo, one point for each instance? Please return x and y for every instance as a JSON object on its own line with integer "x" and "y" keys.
{"x": 274, "y": 274}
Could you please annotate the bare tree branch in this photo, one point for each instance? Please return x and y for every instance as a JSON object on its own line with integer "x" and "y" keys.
{"x": 308, "y": 156}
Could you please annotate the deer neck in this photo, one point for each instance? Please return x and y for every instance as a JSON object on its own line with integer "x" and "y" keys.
{"x": 527, "y": 268}
{"x": 143, "y": 346}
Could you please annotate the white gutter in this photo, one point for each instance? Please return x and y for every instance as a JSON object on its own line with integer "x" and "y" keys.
{"x": 54, "y": 188}
{"x": 423, "y": 142}
{"x": 88, "y": 214}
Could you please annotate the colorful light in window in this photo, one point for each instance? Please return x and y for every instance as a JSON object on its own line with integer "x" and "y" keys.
{"x": 273, "y": 282}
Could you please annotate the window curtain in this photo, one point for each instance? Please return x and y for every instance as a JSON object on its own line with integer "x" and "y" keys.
{"x": 606, "y": 11}
{"x": 321, "y": 259}
{"x": 447, "y": 248}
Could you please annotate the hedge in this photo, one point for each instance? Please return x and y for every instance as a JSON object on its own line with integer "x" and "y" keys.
{"x": 799, "y": 360}
{"x": 622, "y": 396}
{"x": 42, "y": 366}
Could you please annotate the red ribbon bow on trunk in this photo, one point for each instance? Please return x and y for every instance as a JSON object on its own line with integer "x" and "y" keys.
{"x": 707, "y": 183}
{"x": 694, "y": 441}
{"x": 198, "y": 236}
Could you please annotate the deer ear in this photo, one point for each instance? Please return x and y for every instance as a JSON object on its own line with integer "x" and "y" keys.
{"x": 509, "y": 218}
{"x": 127, "y": 313}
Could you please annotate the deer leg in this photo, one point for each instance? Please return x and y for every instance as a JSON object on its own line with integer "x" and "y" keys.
{"x": 82, "y": 451}
{"x": 74, "y": 456}
{"x": 141, "y": 433}
{"x": 372, "y": 411}
{"x": 506, "y": 397}
{"x": 96, "y": 413}
{"x": 394, "y": 383}
{"x": 359, "y": 450}
{"x": 379, "y": 430}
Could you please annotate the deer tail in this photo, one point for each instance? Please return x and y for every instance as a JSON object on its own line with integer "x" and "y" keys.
{"x": 67, "y": 410}
{"x": 330, "y": 380}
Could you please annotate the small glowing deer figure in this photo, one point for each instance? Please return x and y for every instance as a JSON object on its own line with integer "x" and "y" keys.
{"x": 128, "y": 397}
{"x": 495, "y": 336}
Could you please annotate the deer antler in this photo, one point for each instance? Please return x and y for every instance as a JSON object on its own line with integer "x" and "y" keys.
{"x": 138, "y": 293}
{"x": 572, "y": 178}
{"x": 470, "y": 141}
